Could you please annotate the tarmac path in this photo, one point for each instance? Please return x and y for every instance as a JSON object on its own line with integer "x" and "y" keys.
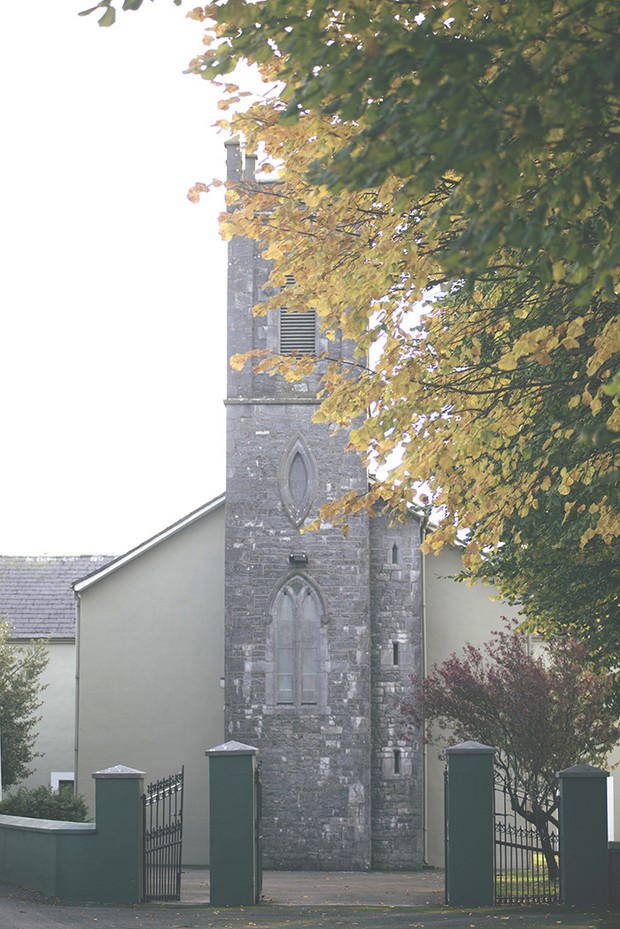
{"x": 23, "y": 909}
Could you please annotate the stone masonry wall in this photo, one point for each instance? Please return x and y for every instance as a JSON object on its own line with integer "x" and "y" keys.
{"x": 315, "y": 759}
{"x": 397, "y": 816}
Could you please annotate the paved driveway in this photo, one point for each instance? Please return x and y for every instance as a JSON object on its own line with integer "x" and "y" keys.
{"x": 21, "y": 909}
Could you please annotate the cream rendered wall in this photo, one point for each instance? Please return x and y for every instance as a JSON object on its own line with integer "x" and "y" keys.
{"x": 56, "y": 728}
{"x": 457, "y": 614}
{"x": 150, "y": 657}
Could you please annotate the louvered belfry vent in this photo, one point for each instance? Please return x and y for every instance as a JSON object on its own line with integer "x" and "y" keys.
{"x": 297, "y": 332}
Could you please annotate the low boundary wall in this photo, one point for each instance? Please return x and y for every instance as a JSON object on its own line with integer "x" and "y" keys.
{"x": 98, "y": 862}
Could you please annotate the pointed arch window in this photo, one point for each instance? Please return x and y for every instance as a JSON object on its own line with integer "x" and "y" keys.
{"x": 297, "y": 615}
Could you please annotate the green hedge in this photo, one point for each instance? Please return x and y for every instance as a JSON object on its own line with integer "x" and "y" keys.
{"x": 43, "y": 803}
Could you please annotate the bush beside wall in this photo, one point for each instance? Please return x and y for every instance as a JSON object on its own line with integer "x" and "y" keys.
{"x": 43, "y": 803}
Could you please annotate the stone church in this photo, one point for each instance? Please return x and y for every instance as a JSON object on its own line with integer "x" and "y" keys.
{"x": 322, "y": 631}
{"x": 232, "y": 624}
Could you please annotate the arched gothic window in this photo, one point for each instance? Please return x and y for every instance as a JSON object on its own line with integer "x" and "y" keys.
{"x": 297, "y": 615}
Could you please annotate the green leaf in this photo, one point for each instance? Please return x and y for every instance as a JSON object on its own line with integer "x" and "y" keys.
{"x": 92, "y": 9}
{"x": 109, "y": 17}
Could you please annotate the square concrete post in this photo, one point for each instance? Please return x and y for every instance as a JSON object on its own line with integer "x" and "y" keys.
{"x": 235, "y": 877}
{"x": 584, "y": 854}
{"x": 469, "y": 824}
{"x": 118, "y": 805}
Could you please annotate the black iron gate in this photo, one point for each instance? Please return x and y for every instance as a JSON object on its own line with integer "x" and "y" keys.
{"x": 526, "y": 857}
{"x": 163, "y": 837}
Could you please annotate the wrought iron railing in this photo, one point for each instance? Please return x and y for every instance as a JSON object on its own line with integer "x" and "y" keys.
{"x": 163, "y": 838}
{"x": 526, "y": 855}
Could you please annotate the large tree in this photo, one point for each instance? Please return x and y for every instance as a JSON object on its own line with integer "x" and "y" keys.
{"x": 471, "y": 146}
{"x": 445, "y": 190}
{"x": 542, "y": 713}
{"x": 21, "y": 668}
{"x": 495, "y": 398}
{"x": 500, "y": 119}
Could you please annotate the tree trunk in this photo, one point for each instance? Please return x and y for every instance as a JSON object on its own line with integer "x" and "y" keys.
{"x": 548, "y": 852}
{"x": 541, "y": 819}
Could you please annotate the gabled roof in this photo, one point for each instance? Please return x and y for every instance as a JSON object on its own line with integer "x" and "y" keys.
{"x": 122, "y": 560}
{"x": 36, "y": 596}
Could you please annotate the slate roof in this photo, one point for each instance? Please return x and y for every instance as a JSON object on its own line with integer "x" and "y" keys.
{"x": 36, "y": 595}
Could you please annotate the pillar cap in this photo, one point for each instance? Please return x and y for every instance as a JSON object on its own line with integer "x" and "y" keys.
{"x": 232, "y": 748}
{"x": 119, "y": 770}
{"x": 470, "y": 748}
{"x": 583, "y": 770}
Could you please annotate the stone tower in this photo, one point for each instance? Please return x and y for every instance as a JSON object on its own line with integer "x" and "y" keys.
{"x": 322, "y": 631}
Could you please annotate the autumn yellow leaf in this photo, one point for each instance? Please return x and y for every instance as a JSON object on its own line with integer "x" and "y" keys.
{"x": 507, "y": 362}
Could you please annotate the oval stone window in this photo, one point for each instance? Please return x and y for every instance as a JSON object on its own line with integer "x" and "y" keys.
{"x": 297, "y": 480}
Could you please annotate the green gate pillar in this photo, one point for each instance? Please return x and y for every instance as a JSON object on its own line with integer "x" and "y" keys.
{"x": 118, "y": 806}
{"x": 469, "y": 825}
{"x": 583, "y": 836}
{"x": 233, "y": 808}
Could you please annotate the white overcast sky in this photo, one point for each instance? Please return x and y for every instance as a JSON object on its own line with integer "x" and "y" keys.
{"x": 112, "y": 285}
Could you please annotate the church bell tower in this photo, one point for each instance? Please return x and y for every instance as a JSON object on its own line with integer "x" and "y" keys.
{"x": 305, "y": 659}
